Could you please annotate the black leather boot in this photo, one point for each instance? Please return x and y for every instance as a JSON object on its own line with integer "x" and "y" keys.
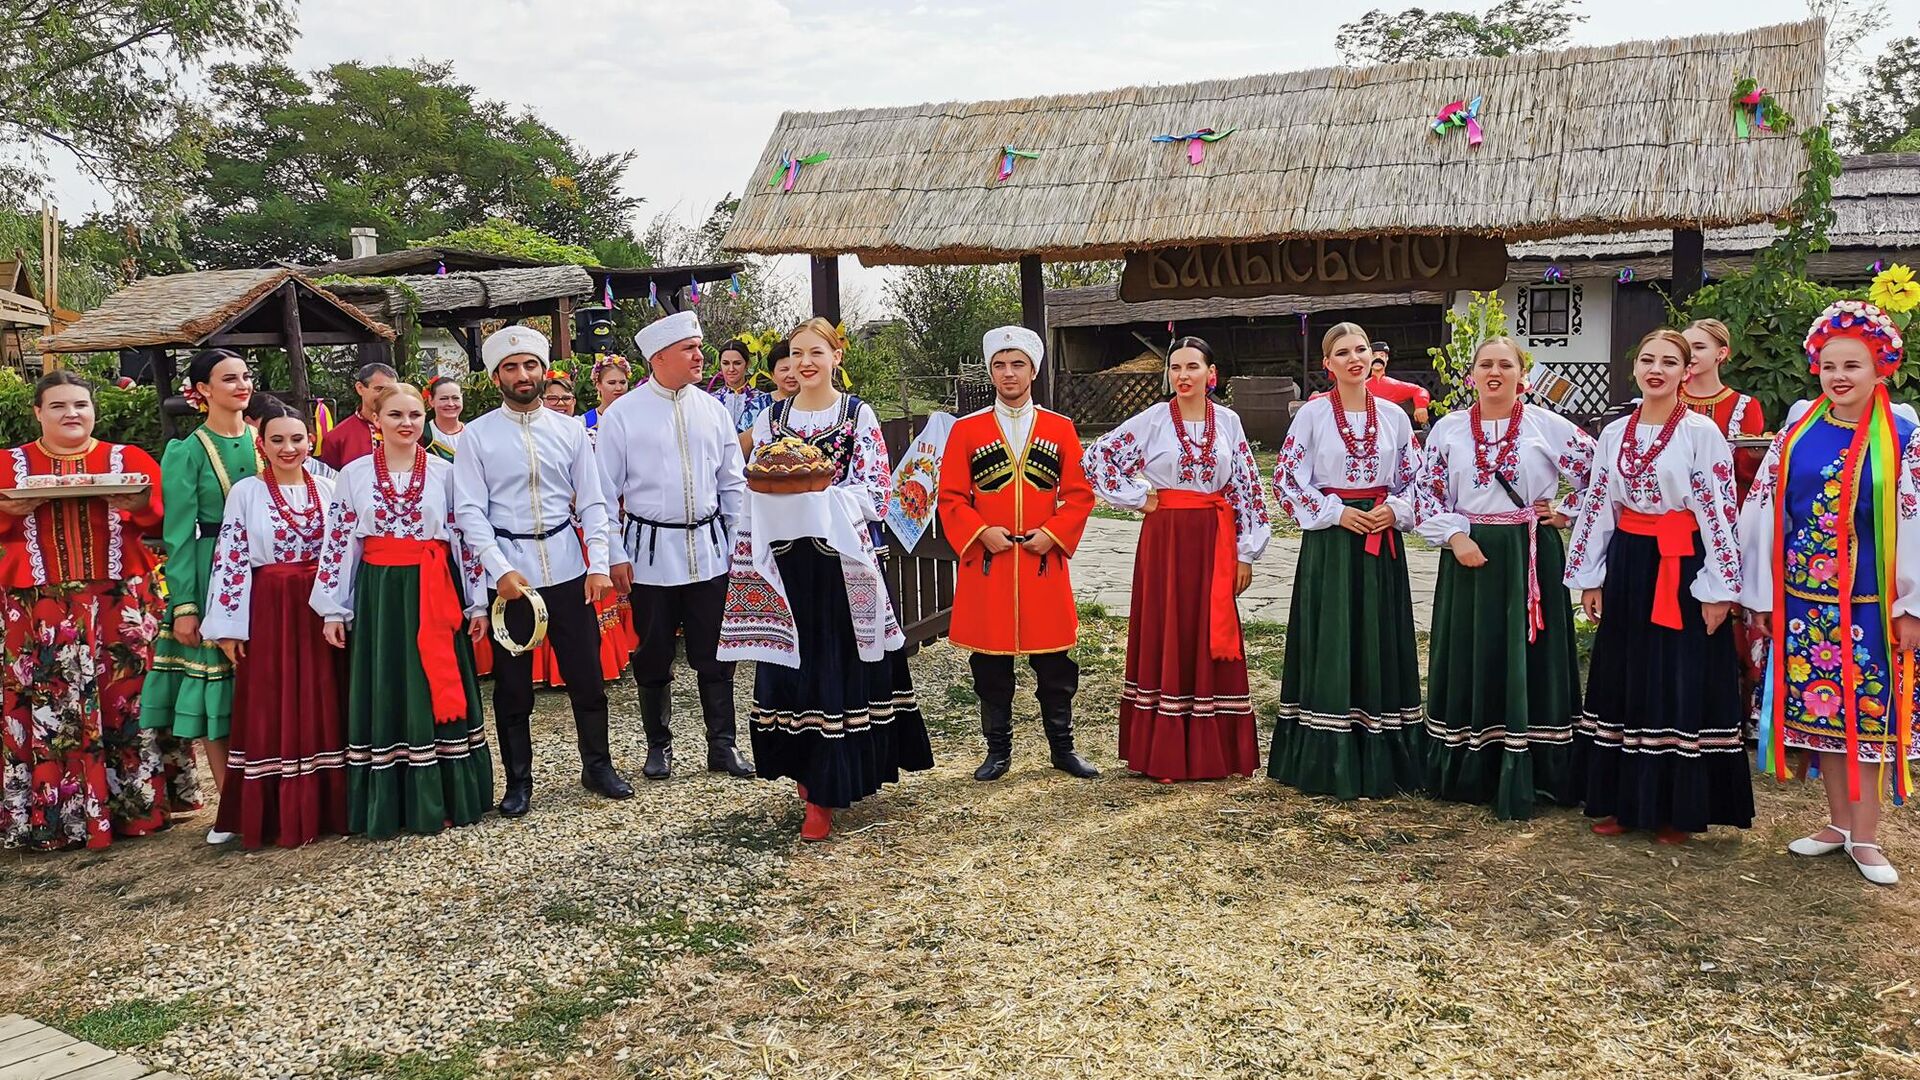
{"x": 597, "y": 773}
{"x": 716, "y": 708}
{"x": 996, "y": 723}
{"x": 515, "y": 736}
{"x": 1057, "y": 716}
{"x": 653, "y": 718}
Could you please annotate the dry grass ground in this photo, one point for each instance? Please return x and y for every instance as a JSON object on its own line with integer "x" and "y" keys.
{"x": 1043, "y": 927}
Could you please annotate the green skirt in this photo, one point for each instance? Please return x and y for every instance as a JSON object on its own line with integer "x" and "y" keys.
{"x": 1500, "y": 711}
{"x": 189, "y": 690}
{"x": 1349, "y": 722}
{"x": 405, "y": 772}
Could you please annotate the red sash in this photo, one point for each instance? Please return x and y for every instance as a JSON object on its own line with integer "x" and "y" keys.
{"x": 1673, "y": 531}
{"x": 1223, "y": 618}
{"x": 440, "y": 617}
{"x": 1379, "y": 496}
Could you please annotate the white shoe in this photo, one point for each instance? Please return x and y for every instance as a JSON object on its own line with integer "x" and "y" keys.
{"x": 1807, "y": 845}
{"x": 216, "y": 837}
{"x": 1879, "y": 875}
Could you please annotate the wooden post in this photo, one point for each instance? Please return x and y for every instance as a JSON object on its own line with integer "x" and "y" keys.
{"x": 164, "y": 382}
{"x": 1033, "y": 315}
{"x": 296, "y": 346}
{"x": 562, "y": 329}
{"x": 826, "y": 287}
{"x": 1689, "y": 264}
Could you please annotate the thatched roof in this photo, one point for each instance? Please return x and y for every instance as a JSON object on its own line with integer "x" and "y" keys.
{"x": 1100, "y": 305}
{"x": 1876, "y": 206}
{"x": 1632, "y": 136}
{"x": 184, "y": 310}
{"x": 477, "y": 291}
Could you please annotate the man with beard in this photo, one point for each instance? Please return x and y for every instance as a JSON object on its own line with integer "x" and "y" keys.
{"x": 1013, "y": 502}
{"x": 674, "y": 462}
{"x": 522, "y": 475}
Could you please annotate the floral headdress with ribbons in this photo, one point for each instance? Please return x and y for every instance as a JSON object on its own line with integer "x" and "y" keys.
{"x": 607, "y": 363}
{"x": 1874, "y": 440}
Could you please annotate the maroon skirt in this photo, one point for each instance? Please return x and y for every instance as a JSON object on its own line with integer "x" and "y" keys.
{"x": 286, "y": 759}
{"x": 1183, "y": 714}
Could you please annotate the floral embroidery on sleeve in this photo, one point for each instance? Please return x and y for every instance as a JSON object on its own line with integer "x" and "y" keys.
{"x": 342, "y": 519}
{"x": 1593, "y": 506}
{"x": 1431, "y": 496}
{"x": 1244, "y": 495}
{"x": 1718, "y": 508}
{"x": 1910, "y": 491}
{"x": 1296, "y": 498}
{"x": 232, "y": 567}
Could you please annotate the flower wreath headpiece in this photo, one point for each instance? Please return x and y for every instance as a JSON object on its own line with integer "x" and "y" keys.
{"x": 1863, "y": 322}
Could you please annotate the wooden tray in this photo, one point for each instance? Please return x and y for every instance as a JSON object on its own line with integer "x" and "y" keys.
{"x": 1752, "y": 442}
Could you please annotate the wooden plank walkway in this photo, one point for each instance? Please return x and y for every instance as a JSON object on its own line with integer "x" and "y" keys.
{"x": 30, "y": 1050}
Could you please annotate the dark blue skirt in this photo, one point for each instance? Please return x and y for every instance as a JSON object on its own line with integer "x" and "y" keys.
{"x": 838, "y": 725}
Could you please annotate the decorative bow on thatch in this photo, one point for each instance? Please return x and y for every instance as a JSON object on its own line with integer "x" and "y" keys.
{"x": 790, "y": 169}
{"x": 1553, "y": 275}
{"x": 1197, "y": 142}
{"x": 1461, "y": 114}
{"x": 1007, "y": 154}
{"x": 1754, "y": 107}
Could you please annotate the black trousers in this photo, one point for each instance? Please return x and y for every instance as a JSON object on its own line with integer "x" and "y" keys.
{"x": 694, "y": 610}
{"x": 573, "y": 629}
{"x": 1055, "y": 672}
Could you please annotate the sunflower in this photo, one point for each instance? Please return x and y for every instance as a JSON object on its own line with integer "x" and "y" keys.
{"x": 1895, "y": 290}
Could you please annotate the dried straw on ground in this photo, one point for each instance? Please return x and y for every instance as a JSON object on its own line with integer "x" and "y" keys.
{"x": 1633, "y": 136}
{"x": 186, "y": 309}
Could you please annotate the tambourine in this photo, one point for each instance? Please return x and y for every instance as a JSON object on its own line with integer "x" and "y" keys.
{"x": 504, "y": 638}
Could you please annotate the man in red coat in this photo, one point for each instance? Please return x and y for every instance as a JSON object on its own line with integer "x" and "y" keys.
{"x": 353, "y": 438}
{"x": 1013, "y": 503}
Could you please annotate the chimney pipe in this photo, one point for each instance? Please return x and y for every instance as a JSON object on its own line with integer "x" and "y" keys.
{"x": 362, "y": 242}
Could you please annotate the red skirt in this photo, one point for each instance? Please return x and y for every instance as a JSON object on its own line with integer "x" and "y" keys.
{"x": 287, "y": 756}
{"x": 1183, "y": 714}
{"x": 617, "y": 642}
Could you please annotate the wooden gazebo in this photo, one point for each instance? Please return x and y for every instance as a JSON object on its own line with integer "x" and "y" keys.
{"x": 153, "y": 318}
{"x": 21, "y": 310}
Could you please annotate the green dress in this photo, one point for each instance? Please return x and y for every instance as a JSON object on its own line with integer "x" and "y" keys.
{"x": 189, "y": 690}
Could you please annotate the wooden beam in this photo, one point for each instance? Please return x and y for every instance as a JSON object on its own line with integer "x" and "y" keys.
{"x": 563, "y": 328}
{"x": 1689, "y": 264}
{"x": 166, "y": 383}
{"x": 826, "y": 287}
{"x": 296, "y": 344}
{"x": 238, "y": 340}
{"x": 1033, "y": 315}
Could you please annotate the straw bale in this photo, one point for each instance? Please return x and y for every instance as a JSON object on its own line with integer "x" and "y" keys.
{"x": 183, "y": 310}
{"x": 1632, "y": 136}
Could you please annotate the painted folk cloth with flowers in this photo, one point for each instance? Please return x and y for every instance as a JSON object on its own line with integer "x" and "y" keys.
{"x": 1815, "y": 702}
{"x": 78, "y": 609}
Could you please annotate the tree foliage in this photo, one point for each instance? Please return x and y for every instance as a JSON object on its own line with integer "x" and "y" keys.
{"x": 295, "y": 161}
{"x": 947, "y": 309}
{"x": 1884, "y": 114}
{"x": 500, "y": 236}
{"x": 1508, "y": 27}
{"x": 105, "y": 81}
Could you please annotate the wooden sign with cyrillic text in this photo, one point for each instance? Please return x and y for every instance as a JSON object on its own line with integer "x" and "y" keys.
{"x": 1319, "y": 267}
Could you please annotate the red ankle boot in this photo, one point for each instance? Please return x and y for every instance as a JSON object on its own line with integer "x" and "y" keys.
{"x": 818, "y": 825}
{"x": 1609, "y": 827}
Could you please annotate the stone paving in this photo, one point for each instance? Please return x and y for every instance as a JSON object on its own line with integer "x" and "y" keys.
{"x": 1103, "y": 573}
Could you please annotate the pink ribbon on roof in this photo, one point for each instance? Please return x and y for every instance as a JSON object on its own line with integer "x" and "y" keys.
{"x": 1196, "y": 142}
{"x": 1464, "y": 114}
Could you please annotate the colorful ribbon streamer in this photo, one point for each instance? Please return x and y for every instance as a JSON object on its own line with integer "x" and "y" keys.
{"x": 1196, "y": 142}
{"x": 439, "y": 268}
{"x": 1625, "y": 276}
{"x": 733, "y": 285}
{"x": 790, "y": 169}
{"x": 1750, "y": 104}
{"x": 653, "y": 293}
{"x": 1461, "y": 114}
{"x": 1553, "y": 275}
{"x": 693, "y": 291}
{"x": 1007, "y": 154}
{"x": 606, "y": 292}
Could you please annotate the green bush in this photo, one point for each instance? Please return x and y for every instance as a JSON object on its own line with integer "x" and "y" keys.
{"x": 1768, "y": 333}
{"x": 122, "y": 416}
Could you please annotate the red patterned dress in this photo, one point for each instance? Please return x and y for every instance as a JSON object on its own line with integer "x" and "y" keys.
{"x": 1737, "y": 415}
{"x": 80, "y": 616}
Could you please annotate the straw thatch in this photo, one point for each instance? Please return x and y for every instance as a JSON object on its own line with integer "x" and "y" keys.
{"x": 184, "y": 310}
{"x": 1631, "y": 136}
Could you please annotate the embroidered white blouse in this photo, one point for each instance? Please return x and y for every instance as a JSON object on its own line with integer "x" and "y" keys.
{"x": 1452, "y": 485}
{"x": 1314, "y": 461}
{"x": 1143, "y": 455}
{"x": 357, "y": 511}
{"x": 1694, "y": 473}
{"x": 253, "y": 533}
{"x": 868, "y": 469}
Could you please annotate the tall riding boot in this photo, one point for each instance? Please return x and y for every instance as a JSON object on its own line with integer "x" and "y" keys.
{"x": 716, "y": 708}
{"x": 597, "y": 773}
{"x": 1057, "y": 716}
{"x": 653, "y": 718}
{"x": 996, "y": 723}
{"x": 515, "y": 735}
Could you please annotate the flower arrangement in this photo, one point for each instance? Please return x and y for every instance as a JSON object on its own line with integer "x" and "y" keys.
{"x": 1894, "y": 290}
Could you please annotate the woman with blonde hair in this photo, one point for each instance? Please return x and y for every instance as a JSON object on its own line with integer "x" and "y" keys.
{"x": 1734, "y": 413}
{"x": 1349, "y": 721}
{"x": 1655, "y": 557}
{"x": 1185, "y": 712}
{"x": 833, "y": 702}
{"x": 392, "y": 571}
{"x": 1503, "y": 688}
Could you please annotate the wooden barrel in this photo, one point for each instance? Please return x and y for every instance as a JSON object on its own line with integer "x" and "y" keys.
{"x": 1265, "y": 404}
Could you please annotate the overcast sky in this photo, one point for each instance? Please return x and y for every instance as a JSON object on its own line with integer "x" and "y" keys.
{"x": 695, "y": 87}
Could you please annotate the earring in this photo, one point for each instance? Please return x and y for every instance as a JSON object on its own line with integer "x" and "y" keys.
{"x": 1525, "y": 386}
{"x": 1213, "y": 382}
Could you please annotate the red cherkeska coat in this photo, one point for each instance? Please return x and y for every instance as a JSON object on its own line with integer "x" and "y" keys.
{"x": 1016, "y": 603}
